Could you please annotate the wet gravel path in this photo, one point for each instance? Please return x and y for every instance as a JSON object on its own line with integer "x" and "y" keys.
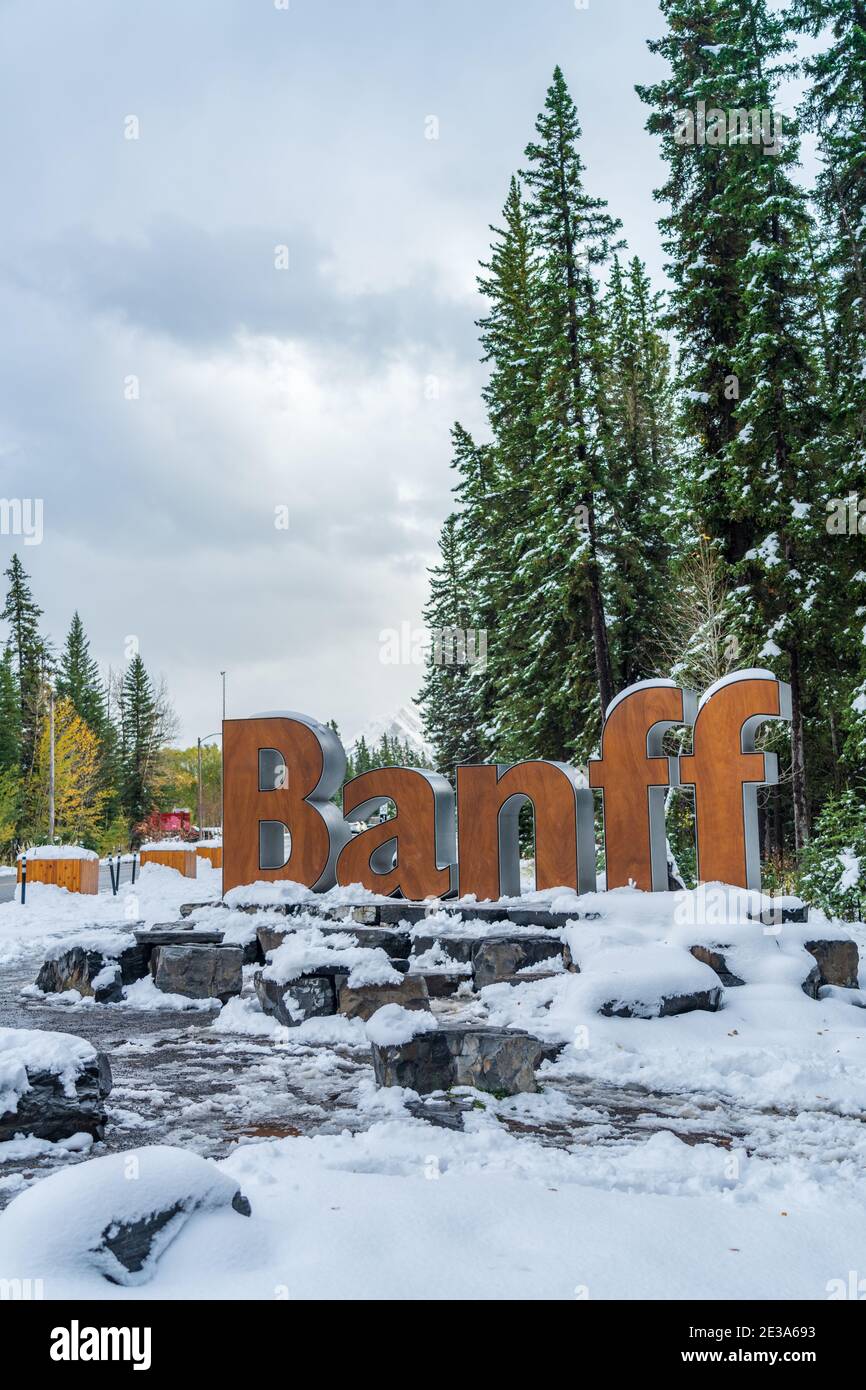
{"x": 178, "y": 1082}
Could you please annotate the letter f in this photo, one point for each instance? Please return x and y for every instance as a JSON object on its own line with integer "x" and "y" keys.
{"x": 634, "y": 776}
{"x": 726, "y": 771}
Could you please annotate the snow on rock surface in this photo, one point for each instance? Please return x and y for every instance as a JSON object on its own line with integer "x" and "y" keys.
{"x": 392, "y": 1025}
{"x": 307, "y": 950}
{"x": 112, "y": 1216}
{"x": 35, "y": 1050}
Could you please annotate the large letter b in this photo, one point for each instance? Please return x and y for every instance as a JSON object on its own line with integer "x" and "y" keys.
{"x": 280, "y": 771}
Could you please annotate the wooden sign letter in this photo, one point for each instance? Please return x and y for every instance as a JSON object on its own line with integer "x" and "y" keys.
{"x": 489, "y": 799}
{"x": 280, "y": 771}
{"x": 634, "y": 777}
{"x": 725, "y": 771}
{"x": 421, "y": 834}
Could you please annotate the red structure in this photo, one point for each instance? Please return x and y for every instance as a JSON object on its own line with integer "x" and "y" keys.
{"x": 176, "y": 822}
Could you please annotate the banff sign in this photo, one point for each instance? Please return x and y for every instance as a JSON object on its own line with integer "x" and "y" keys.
{"x": 282, "y": 769}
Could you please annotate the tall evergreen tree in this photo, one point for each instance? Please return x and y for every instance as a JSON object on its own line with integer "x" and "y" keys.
{"x": 31, "y": 659}
{"x": 10, "y": 715}
{"x": 739, "y": 233}
{"x": 448, "y": 696}
{"x": 705, "y": 235}
{"x": 78, "y": 678}
{"x": 575, "y": 236}
{"x": 639, "y": 464}
{"x": 139, "y": 741}
{"x": 833, "y": 108}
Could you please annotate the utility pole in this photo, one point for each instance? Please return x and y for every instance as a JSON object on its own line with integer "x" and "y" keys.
{"x": 51, "y": 767}
{"x": 200, "y": 815}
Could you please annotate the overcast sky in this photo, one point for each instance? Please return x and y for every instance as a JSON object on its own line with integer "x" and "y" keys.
{"x": 327, "y": 388}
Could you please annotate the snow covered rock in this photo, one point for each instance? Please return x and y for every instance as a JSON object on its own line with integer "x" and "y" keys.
{"x": 52, "y": 1085}
{"x": 774, "y": 911}
{"x": 838, "y": 962}
{"x": 502, "y": 1060}
{"x": 637, "y": 980}
{"x": 291, "y": 1003}
{"x": 96, "y": 970}
{"x": 364, "y": 1000}
{"x": 201, "y": 972}
{"x": 715, "y": 958}
{"x": 496, "y": 958}
{"x": 115, "y": 1215}
{"x": 396, "y": 944}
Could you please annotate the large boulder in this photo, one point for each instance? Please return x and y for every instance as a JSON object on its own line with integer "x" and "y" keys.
{"x": 99, "y": 973}
{"x": 457, "y": 948}
{"x": 497, "y": 958}
{"x": 311, "y": 996}
{"x": 363, "y": 1002}
{"x": 501, "y": 1060}
{"x": 838, "y": 962}
{"x": 715, "y": 958}
{"x": 200, "y": 972}
{"x": 52, "y": 1085}
{"x": 116, "y": 1214}
{"x": 663, "y": 1006}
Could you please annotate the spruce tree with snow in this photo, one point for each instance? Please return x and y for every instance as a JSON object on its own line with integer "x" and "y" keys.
{"x": 31, "y": 660}
{"x": 746, "y": 315}
{"x": 448, "y": 697}
{"x": 10, "y": 715}
{"x": 78, "y": 678}
{"x": 567, "y": 610}
{"x": 496, "y": 490}
{"x": 640, "y": 462}
{"x": 140, "y": 741}
{"x": 706, "y": 236}
{"x": 833, "y": 108}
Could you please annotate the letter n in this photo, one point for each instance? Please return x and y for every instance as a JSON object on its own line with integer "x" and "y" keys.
{"x": 279, "y": 774}
{"x": 726, "y": 771}
{"x": 489, "y": 799}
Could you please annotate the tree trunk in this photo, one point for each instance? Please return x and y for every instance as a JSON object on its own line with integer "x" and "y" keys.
{"x": 798, "y": 758}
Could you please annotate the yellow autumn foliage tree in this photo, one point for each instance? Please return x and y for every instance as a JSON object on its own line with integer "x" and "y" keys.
{"x": 79, "y": 797}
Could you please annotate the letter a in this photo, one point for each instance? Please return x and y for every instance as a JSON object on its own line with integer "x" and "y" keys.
{"x": 726, "y": 771}
{"x": 279, "y": 773}
{"x": 422, "y": 833}
{"x": 634, "y": 777}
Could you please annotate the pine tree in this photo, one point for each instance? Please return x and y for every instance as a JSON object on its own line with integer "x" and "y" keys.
{"x": 10, "y": 715}
{"x": 448, "y": 696}
{"x": 833, "y": 109}
{"x": 30, "y": 659}
{"x": 740, "y": 236}
{"x": 640, "y": 458}
{"x": 575, "y": 236}
{"x": 78, "y": 678}
{"x": 498, "y": 483}
{"x": 140, "y": 740}
{"x": 706, "y": 238}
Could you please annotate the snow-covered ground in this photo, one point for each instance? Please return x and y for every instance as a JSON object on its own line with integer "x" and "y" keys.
{"x": 710, "y": 1155}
